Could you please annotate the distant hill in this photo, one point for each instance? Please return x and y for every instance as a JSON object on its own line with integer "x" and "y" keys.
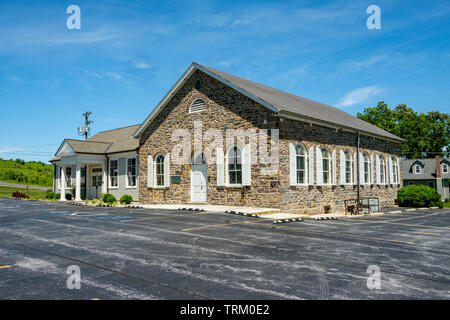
{"x": 20, "y": 171}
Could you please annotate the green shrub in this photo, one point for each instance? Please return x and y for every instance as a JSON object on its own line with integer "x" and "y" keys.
{"x": 126, "y": 199}
{"x": 68, "y": 196}
{"x": 109, "y": 198}
{"x": 57, "y": 196}
{"x": 114, "y": 203}
{"x": 418, "y": 196}
{"x": 94, "y": 201}
{"x": 101, "y": 202}
{"x": 86, "y": 201}
{"x": 49, "y": 195}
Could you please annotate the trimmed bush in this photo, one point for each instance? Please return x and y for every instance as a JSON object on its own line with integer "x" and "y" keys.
{"x": 108, "y": 198}
{"x": 418, "y": 196}
{"x": 68, "y": 196}
{"x": 126, "y": 199}
{"x": 49, "y": 195}
{"x": 94, "y": 201}
{"x": 57, "y": 196}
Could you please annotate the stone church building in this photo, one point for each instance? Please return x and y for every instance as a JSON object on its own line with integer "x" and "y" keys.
{"x": 319, "y": 155}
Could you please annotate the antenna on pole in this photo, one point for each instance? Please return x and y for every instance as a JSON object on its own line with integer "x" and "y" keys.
{"x": 84, "y": 131}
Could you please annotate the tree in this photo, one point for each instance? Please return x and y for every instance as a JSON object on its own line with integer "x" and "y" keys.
{"x": 425, "y": 134}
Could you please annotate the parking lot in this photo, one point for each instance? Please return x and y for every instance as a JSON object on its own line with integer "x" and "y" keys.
{"x": 125, "y": 253}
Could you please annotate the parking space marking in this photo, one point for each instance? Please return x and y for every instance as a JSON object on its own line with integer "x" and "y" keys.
{"x": 346, "y": 235}
{"x": 403, "y": 224}
{"x": 227, "y": 224}
{"x": 418, "y": 232}
{"x": 4, "y": 267}
{"x": 166, "y": 217}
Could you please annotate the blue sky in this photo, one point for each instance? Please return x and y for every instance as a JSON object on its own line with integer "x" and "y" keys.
{"x": 128, "y": 54}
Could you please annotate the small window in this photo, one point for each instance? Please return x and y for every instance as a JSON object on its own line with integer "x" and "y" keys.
{"x": 417, "y": 169}
{"x": 348, "y": 167}
{"x": 234, "y": 166}
{"x": 159, "y": 166}
{"x": 197, "y": 106}
{"x": 444, "y": 168}
{"x": 131, "y": 172}
{"x": 113, "y": 173}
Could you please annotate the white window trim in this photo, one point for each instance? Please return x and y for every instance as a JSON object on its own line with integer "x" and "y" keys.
{"x": 126, "y": 173}
{"x": 383, "y": 164}
{"x": 109, "y": 173}
{"x": 417, "y": 166}
{"x": 155, "y": 185}
{"x": 446, "y": 165}
{"x": 228, "y": 184}
{"x": 306, "y": 166}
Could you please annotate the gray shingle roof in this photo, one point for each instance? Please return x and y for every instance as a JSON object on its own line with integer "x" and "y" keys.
{"x": 428, "y": 170}
{"x": 283, "y": 101}
{"x": 106, "y": 142}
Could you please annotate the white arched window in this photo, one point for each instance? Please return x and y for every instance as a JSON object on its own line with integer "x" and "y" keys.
{"x": 394, "y": 170}
{"x": 366, "y": 168}
{"x": 300, "y": 164}
{"x": 197, "y": 106}
{"x": 159, "y": 170}
{"x": 382, "y": 170}
{"x": 348, "y": 167}
{"x": 234, "y": 166}
{"x": 326, "y": 168}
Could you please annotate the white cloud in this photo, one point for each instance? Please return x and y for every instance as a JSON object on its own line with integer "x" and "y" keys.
{"x": 358, "y": 95}
{"x": 141, "y": 65}
{"x": 9, "y": 149}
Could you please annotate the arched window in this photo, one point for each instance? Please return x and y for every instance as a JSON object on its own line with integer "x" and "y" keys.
{"x": 394, "y": 170}
{"x": 197, "y": 106}
{"x": 234, "y": 158}
{"x": 300, "y": 156}
{"x": 366, "y": 168}
{"x": 326, "y": 172}
{"x": 159, "y": 170}
{"x": 348, "y": 167}
{"x": 382, "y": 170}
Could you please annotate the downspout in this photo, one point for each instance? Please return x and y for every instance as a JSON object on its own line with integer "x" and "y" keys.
{"x": 107, "y": 174}
{"x": 357, "y": 168}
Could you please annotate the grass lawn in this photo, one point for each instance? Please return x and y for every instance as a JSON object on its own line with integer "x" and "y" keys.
{"x": 33, "y": 193}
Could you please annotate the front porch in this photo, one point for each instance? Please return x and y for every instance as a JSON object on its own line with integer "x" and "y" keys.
{"x": 87, "y": 177}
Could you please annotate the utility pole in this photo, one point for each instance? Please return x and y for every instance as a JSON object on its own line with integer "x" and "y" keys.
{"x": 84, "y": 131}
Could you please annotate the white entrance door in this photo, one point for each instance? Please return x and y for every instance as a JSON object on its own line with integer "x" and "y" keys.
{"x": 95, "y": 187}
{"x": 198, "y": 183}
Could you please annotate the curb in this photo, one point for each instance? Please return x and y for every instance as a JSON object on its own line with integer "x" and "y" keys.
{"x": 325, "y": 218}
{"x": 191, "y": 209}
{"x": 288, "y": 220}
{"x": 242, "y": 213}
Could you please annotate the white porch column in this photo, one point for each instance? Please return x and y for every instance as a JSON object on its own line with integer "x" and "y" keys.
{"x": 105, "y": 177}
{"x": 78, "y": 183}
{"x": 63, "y": 183}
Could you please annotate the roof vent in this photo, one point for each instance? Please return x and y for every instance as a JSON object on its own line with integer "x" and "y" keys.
{"x": 197, "y": 105}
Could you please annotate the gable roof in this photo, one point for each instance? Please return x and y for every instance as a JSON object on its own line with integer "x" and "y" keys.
{"x": 104, "y": 142}
{"x": 280, "y": 102}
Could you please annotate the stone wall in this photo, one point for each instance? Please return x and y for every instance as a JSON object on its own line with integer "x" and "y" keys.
{"x": 228, "y": 109}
